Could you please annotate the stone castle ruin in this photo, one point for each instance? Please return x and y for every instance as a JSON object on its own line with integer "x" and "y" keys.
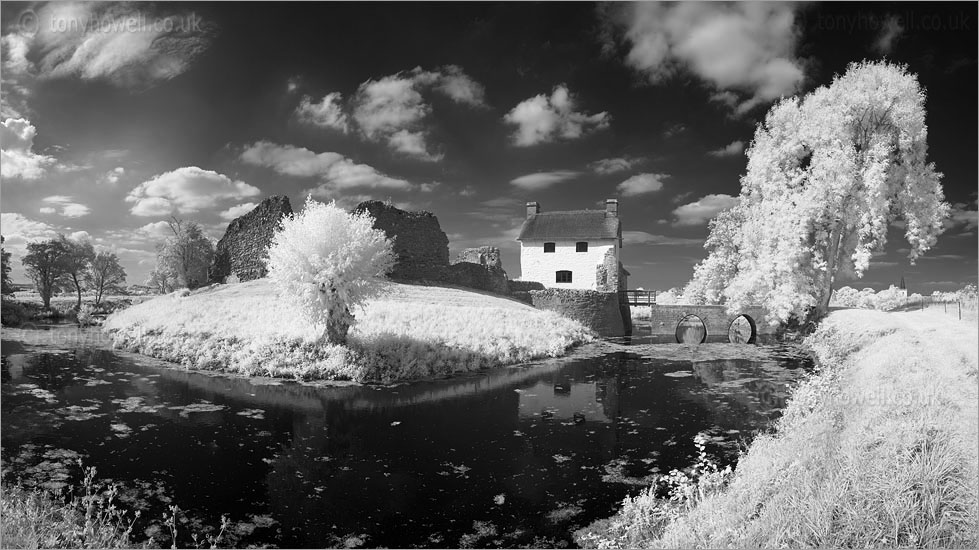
{"x": 421, "y": 247}
{"x": 244, "y": 247}
{"x": 480, "y": 268}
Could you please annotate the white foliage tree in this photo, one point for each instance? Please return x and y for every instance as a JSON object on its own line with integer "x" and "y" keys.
{"x": 827, "y": 174}
{"x": 326, "y": 261}
{"x": 712, "y": 276}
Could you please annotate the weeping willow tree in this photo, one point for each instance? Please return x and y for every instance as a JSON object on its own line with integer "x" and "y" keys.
{"x": 827, "y": 175}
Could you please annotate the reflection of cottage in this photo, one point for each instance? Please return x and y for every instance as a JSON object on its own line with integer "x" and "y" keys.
{"x": 575, "y": 249}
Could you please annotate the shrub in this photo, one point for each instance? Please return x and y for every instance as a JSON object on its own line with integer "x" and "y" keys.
{"x": 327, "y": 261}
{"x": 644, "y": 517}
{"x": 85, "y": 315}
{"x": 36, "y": 519}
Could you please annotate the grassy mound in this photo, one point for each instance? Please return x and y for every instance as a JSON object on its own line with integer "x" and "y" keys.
{"x": 878, "y": 448}
{"x": 410, "y": 332}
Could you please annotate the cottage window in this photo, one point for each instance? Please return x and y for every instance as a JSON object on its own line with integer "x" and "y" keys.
{"x": 563, "y": 277}
{"x": 548, "y": 247}
{"x": 581, "y": 247}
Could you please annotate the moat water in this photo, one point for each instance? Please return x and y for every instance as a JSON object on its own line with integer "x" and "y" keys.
{"x": 511, "y": 457}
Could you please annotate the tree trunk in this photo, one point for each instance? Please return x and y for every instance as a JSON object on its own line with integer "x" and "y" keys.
{"x": 78, "y": 289}
{"x": 826, "y": 293}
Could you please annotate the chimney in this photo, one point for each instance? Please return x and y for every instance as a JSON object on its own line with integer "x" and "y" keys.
{"x": 611, "y": 208}
{"x": 533, "y": 209}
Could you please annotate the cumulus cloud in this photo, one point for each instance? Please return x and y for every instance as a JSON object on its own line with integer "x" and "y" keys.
{"x": 333, "y": 169}
{"x": 326, "y": 113}
{"x": 730, "y": 150}
{"x": 642, "y": 237}
{"x": 543, "y": 119}
{"x": 237, "y": 211}
{"x": 123, "y": 43}
{"x": 112, "y": 176}
{"x": 742, "y": 47}
{"x": 16, "y": 46}
{"x": 614, "y": 165}
{"x": 641, "y": 184}
{"x": 543, "y": 180}
{"x": 703, "y": 209}
{"x": 890, "y": 32}
{"x": 19, "y": 161}
{"x": 459, "y": 86}
{"x": 65, "y": 205}
{"x": 80, "y": 236}
{"x": 412, "y": 144}
{"x": 289, "y": 160}
{"x": 19, "y": 230}
{"x": 963, "y": 216}
{"x": 186, "y": 190}
{"x": 155, "y": 230}
{"x": 393, "y": 109}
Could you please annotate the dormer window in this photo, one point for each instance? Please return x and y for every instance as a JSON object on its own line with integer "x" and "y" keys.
{"x": 562, "y": 277}
{"x": 581, "y": 247}
{"x": 548, "y": 247}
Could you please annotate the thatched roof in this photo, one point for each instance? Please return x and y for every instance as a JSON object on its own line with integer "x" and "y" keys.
{"x": 570, "y": 225}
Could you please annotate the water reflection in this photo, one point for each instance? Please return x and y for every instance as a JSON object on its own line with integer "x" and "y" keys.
{"x": 498, "y": 459}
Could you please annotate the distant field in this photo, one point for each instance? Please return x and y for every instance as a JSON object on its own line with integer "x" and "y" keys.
{"x": 410, "y": 332}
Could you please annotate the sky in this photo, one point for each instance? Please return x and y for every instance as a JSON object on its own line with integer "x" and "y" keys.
{"x": 117, "y": 116}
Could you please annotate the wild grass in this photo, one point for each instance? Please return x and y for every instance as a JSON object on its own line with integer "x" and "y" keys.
{"x": 39, "y": 519}
{"x": 410, "y": 332}
{"x": 878, "y": 448}
{"x": 88, "y": 517}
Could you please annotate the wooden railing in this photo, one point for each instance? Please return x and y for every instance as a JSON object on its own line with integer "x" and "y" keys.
{"x": 637, "y": 297}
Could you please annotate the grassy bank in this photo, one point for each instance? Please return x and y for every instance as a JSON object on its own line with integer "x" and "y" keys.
{"x": 878, "y": 448}
{"x": 17, "y": 312}
{"x": 410, "y": 332}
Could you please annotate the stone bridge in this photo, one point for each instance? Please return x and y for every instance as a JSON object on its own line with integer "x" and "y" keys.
{"x": 716, "y": 320}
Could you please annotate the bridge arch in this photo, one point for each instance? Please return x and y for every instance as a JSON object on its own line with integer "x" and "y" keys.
{"x": 742, "y": 330}
{"x": 691, "y": 329}
{"x": 664, "y": 319}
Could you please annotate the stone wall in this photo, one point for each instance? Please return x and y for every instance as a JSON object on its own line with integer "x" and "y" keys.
{"x": 488, "y": 256}
{"x": 479, "y": 268}
{"x": 244, "y": 247}
{"x": 421, "y": 246}
{"x": 521, "y": 289}
{"x": 596, "y": 310}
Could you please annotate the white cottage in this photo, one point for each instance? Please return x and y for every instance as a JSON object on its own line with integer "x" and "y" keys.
{"x": 573, "y": 249}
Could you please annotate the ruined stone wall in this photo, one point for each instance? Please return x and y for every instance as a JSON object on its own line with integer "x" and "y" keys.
{"x": 521, "y": 289}
{"x": 244, "y": 247}
{"x": 596, "y": 310}
{"x": 488, "y": 256}
{"x": 607, "y": 273}
{"x": 479, "y": 268}
{"x": 421, "y": 247}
